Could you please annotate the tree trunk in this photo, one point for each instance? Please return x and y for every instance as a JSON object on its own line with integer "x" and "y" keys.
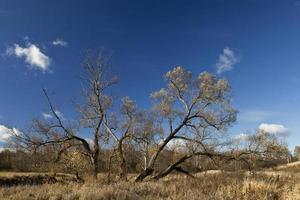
{"x": 96, "y": 155}
{"x": 175, "y": 166}
{"x": 122, "y": 165}
{"x": 145, "y": 159}
{"x": 146, "y": 154}
{"x": 96, "y": 167}
{"x": 172, "y": 167}
{"x": 123, "y": 170}
{"x": 144, "y": 174}
{"x": 149, "y": 170}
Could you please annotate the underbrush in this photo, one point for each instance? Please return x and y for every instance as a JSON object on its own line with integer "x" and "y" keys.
{"x": 214, "y": 186}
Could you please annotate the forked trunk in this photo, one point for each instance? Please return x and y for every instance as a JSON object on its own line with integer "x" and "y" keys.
{"x": 144, "y": 174}
{"x": 150, "y": 168}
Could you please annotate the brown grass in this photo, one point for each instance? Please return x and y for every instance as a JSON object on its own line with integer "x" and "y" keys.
{"x": 215, "y": 186}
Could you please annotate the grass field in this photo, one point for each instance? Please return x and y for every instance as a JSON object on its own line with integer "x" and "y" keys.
{"x": 280, "y": 183}
{"x": 12, "y": 174}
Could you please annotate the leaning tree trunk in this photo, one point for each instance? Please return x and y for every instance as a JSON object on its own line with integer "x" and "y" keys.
{"x": 147, "y": 172}
{"x": 150, "y": 168}
{"x": 174, "y": 166}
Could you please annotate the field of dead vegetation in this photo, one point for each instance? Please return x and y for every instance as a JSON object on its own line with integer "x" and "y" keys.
{"x": 279, "y": 183}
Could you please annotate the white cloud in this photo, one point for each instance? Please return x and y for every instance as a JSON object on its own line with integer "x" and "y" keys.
{"x": 50, "y": 116}
{"x": 226, "y": 61}
{"x": 32, "y": 54}
{"x": 6, "y": 133}
{"x": 47, "y": 115}
{"x": 59, "y": 114}
{"x": 176, "y": 144}
{"x": 59, "y": 42}
{"x": 276, "y": 129}
{"x": 241, "y": 137}
{"x": 254, "y": 115}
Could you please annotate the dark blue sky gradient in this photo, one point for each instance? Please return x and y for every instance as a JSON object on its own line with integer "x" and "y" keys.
{"x": 148, "y": 38}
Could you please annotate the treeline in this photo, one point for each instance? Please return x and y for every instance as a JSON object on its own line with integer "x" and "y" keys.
{"x": 45, "y": 161}
{"x": 185, "y": 131}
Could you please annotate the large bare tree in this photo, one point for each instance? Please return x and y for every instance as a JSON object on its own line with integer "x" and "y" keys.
{"x": 65, "y": 135}
{"x": 94, "y": 110}
{"x": 190, "y": 106}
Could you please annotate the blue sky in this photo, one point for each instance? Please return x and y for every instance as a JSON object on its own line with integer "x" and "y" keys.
{"x": 42, "y": 44}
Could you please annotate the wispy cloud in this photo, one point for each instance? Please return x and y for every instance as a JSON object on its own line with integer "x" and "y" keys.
{"x": 32, "y": 55}
{"x": 59, "y": 42}
{"x": 6, "y": 133}
{"x": 276, "y": 129}
{"x": 255, "y": 115}
{"x": 241, "y": 137}
{"x": 176, "y": 144}
{"x": 59, "y": 114}
{"x": 50, "y": 116}
{"x": 47, "y": 115}
{"x": 226, "y": 60}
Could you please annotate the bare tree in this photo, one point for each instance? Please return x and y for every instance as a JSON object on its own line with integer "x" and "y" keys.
{"x": 57, "y": 131}
{"x": 147, "y": 128}
{"x": 260, "y": 148}
{"x": 187, "y": 103}
{"x": 97, "y": 103}
{"x": 189, "y": 118}
{"x": 121, "y": 131}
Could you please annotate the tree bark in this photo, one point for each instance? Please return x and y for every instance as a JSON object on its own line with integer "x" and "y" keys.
{"x": 146, "y": 157}
{"x": 122, "y": 160}
{"x": 96, "y": 155}
{"x": 175, "y": 166}
{"x": 172, "y": 167}
{"x": 149, "y": 170}
{"x": 96, "y": 167}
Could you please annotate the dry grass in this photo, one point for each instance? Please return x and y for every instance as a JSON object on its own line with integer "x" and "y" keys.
{"x": 11, "y": 174}
{"x": 215, "y": 186}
